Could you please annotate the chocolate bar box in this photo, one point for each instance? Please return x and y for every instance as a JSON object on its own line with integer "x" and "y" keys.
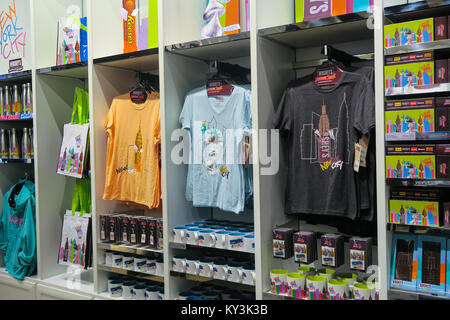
{"x": 443, "y": 161}
{"x": 409, "y": 32}
{"x": 283, "y": 243}
{"x": 411, "y": 162}
{"x": 413, "y": 116}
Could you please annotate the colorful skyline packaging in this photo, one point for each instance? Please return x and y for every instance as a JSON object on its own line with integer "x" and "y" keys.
{"x": 414, "y": 116}
{"x": 411, "y": 162}
{"x": 408, "y": 33}
{"x": 404, "y": 262}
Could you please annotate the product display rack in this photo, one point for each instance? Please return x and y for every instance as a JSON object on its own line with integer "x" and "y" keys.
{"x": 276, "y": 50}
{"x": 411, "y": 12}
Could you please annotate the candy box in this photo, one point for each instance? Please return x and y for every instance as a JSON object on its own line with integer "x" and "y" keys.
{"x": 414, "y": 207}
{"x": 443, "y": 161}
{"x": 411, "y": 162}
{"x": 305, "y": 247}
{"x": 448, "y": 268}
{"x": 431, "y": 267}
{"x": 440, "y": 28}
{"x": 404, "y": 261}
{"x": 409, "y": 70}
{"x": 283, "y": 243}
{"x": 410, "y": 116}
{"x": 447, "y": 215}
{"x": 408, "y": 33}
{"x": 442, "y": 114}
{"x": 360, "y": 253}
{"x": 332, "y": 250}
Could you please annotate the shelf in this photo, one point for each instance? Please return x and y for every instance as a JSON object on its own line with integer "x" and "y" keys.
{"x": 16, "y": 77}
{"x": 349, "y": 27}
{"x": 418, "y": 294}
{"x": 140, "y": 275}
{"x": 225, "y": 47}
{"x": 184, "y": 246}
{"x": 429, "y": 89}
{"x": 17, "y": 117}
{"x": 205, "y": 279}
{"x": 417, "y": 136}
{"x": 435, "y": 45}
{"x": 141, "y": 61}
{"x": 128, "y": 249}
{"x": 6, "y": 161}
{"x": 416, "y": 10}
{"x": 418, "y": 183}
{"x": 281, "y": 296}
{"x": 75, "y": 70}
{"x": 418, "y": 226}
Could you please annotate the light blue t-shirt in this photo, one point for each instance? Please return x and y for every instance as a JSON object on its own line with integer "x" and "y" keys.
{"x": 217, "y": 126}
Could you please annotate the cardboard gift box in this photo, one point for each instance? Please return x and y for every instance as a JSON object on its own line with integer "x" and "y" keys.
{"x": 305, "y": 247}
{"x": 360, "y": 253}
{"x": 332, "y": 249}
{"x": 404, "y": 261}
{"x": 411, "y": 162}
{"x": 440, "y": 28}
{"x": 408, "y": 33}
{"x": 283, "y": 243}
{"x": 431, "y": 267}
{"x": 443, "y": 161}
{"x": 414, "y": 207}
{"x": 413, "y": 116}
{"x": 448, "y": 268}
{"x": 410, "y": 70}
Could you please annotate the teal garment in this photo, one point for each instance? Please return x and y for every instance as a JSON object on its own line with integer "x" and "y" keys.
{"x": 18, "y": 232}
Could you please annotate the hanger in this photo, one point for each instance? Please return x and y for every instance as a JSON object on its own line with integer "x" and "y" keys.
{"x": 331, "y": 71}
{"x": 223, "y": 77}
{"x": 139, "y": 93}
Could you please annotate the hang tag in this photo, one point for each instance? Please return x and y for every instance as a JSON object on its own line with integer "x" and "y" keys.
{"x": 357, "y": 157}
{"x": 138, "y": 96}
{"x": 364, "y": 144}
{"x": 218, "y": 87}
{"x": 246, "y": 151}
{"x": 327, "y": 75}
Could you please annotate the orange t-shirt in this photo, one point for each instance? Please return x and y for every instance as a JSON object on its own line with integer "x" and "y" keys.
{"x": 133, "y": 172}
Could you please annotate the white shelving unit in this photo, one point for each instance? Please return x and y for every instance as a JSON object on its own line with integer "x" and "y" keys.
{"x": 276, "y": 50}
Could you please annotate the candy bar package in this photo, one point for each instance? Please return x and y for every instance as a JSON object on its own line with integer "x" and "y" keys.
{"x": 124, "y": 222}
{"x": 431, "y": 265}
{"x": 447, "y": 215}
{"x": 152, "y": 233}
{"x": 440, "y": 28}
{"x": 283, "y": 243}
{"x": 410, "y": 116}
{"x": 133, "y": 230}
{"x": 441, "y": 71}
{"x": 360, "y": 253}
{"x": 443, "y": 161}
{"x": 143, "y": 231}
{"x": 448, "y": 268}
{"x": 332, "y": 250}
{"x": 104, "y": 228}
{"x": 442, "y": 114}
{"x": 305, "y": 247}
{"x": 159, "y": 234}
{"x": 404, "y": 261}
{"x": 408, "y": 33}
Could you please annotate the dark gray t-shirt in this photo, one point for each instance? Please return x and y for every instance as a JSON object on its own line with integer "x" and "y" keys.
{"x": 323, "y": 125}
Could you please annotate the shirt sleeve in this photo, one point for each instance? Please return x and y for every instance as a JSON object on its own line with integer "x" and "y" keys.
{"x": 157, "y": 133}
{"x": 365, "y": 107}
{"x": 27, "y": 252}
{"x": 109, "y": 121}
{"x": 187, "y": 113}
{"x": 282, "y": 118}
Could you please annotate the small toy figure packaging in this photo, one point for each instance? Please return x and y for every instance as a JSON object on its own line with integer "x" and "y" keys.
{"x": 408, "y": 33}
{"x": 410, "y": 116}
{"x": 305, "y": 247}
{"x": 360, "y": 253}
{"x": 414, "y": 207}
{"x": 332, "y": 250}
{"x": 410, "y": 70}
{"x": 283, "y": 243}
{"x": 431, "y": 268}
{"x": 404, "y": 261}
